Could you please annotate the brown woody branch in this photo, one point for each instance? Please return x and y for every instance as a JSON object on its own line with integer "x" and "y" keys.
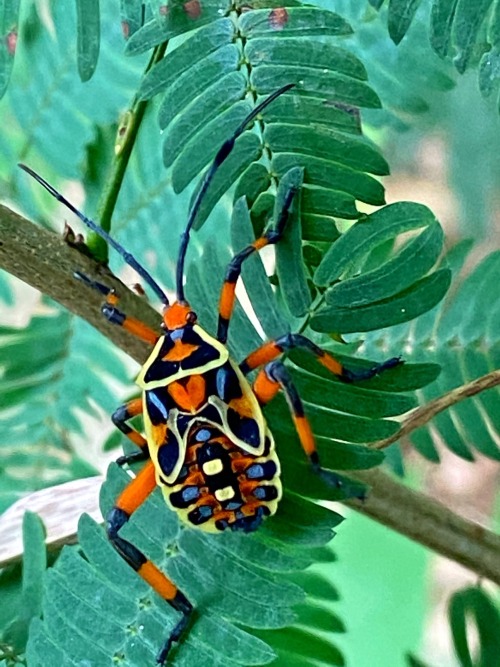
{"x": 45, "y": 261}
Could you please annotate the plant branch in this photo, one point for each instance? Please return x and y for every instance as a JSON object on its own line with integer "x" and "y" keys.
{"x": 429, "y": 522}
{"x": 127, "y": 135}
{"x": 425, "y": 413}
{"x": 42, "y": 259}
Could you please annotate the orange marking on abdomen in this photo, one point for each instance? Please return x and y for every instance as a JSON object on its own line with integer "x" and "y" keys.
{"x": 191, "y": 395}
{"x": 332, "y": 364}
{"x": 138, "y": 490}
{"x": 180, "y": 351}
{"x": 243, "y": 406}
{"x": 247, "y": 488}
{"x": 240, "y": 464}
{"x": 305, "y": 434}
{"x": 157, "y": 580}
{"x": 226, "y": 302}
{"x": 263, "y": 355}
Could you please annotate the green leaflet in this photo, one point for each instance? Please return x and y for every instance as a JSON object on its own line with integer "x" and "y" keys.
{"x": 88, "y": 37}
{"x": 412, "y": 262}
{"x": 401, "y": 13}
{"x": 22, "y": 595}
{"x": 289, "y": 262}
{"x": 9, "y": 10}
{"x": 342, "y": 89}
{"x": 442, "y": 16}
{"x": 182, "y": 18}
{"x": 207, "y": 40}
{"x": 469, "y": 16}
{"x": 475, "y": 603}
{"x": 291, "y": 21}
{"x": 330, "y": 175}
{"x": 317, "y": 55}
{"x": 367, "y": 234}
{"x": 403, "y": 307}
{"x": 327, "y": 144}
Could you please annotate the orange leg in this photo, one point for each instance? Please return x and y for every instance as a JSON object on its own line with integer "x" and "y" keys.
{"x": 227, "y": 297}
{"x": 119, "y": 418}
{"x": 115, "y": 316}
{"x": 274, "y": 348}
{"x": 127, "y": 503}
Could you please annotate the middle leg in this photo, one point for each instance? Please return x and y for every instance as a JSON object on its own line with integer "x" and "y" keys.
{"x": 269, "y": 381}
{"x": 275, "y": 348}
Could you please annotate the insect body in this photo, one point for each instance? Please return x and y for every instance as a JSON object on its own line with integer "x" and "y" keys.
{"x": 213, "y": 453}
{"x": 206, "y": 442}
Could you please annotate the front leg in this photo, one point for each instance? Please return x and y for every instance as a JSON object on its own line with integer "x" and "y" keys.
{"x": 120, "y": 417}
{"x": 130, "y": 499}
{"x": 275, "y": 348}
{"x": 112, "y": 314}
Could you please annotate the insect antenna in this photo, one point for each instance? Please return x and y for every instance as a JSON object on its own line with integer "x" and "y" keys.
{"x": 222, "y": 154}
{"x": 130, "y": 259}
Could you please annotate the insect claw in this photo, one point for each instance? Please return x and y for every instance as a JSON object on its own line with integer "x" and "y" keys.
{"x": 347, "y": 488}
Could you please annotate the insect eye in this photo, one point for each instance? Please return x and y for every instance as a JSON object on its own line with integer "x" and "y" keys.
{"x": 191, "y": 317}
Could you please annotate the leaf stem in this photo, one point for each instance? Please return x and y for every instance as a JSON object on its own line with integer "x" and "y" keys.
{"x": 127, "y": 135}
{"x": 422, "y": 415}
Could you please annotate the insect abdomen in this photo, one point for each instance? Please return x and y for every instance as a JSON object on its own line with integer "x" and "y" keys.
{"x": 220, "y": 486}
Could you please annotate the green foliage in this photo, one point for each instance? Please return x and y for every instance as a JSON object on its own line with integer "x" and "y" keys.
{"x": 233, "y": 579}
{"x": 462, "y": 335}
{"x": 55, "y": 370}
{"x": 464, "y": 31}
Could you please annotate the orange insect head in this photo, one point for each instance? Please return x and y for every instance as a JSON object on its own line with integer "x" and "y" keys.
{"x": 178, "y": 315}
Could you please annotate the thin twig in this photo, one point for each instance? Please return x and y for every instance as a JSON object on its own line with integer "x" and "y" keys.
{"x": 123, "y": 149}
{"x": 425, "y": 413}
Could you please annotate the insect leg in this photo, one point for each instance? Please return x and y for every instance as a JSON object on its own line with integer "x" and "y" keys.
{"x": 127, "y": 503}
{"x": 120, "y": 418}
{"x": 233, "y": 271}
{"x": 274, "y": 348}
{"x": 115, "y": 316}
{"x": 269, "y": 381}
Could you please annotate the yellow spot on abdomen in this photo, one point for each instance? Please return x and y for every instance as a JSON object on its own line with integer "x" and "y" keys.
{"x": 224, "y": 494}
{"x": 213, "y": 467}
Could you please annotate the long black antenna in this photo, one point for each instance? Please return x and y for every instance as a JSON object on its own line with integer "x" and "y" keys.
{"x": 130, "y": 259}
{"x": 222, "y": 154}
